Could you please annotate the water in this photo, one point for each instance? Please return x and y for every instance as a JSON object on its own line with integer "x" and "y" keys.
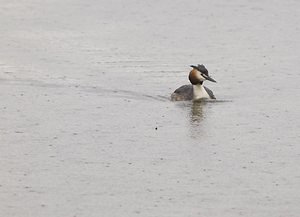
{"x": 87, "y": 127}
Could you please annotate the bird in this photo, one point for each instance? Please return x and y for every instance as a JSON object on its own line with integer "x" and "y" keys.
{"x": 196, "y": 90}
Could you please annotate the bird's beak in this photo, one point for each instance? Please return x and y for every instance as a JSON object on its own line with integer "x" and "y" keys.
{"x": 208, "y": 78}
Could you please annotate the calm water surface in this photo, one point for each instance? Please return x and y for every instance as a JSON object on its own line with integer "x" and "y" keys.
{"x": 87, "y": 128}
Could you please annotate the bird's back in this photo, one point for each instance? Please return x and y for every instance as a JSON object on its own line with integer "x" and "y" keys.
{"x": 210, "y": 93}
{"x": 184, "y": 92}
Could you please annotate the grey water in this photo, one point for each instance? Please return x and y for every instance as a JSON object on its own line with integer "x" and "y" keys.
{"x": 88, "y": 129}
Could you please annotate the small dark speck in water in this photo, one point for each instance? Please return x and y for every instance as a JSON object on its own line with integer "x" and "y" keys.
{"x": 155, "y": 128}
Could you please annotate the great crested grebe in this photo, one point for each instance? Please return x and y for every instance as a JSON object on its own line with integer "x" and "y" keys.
{"x": 196, "y": 90}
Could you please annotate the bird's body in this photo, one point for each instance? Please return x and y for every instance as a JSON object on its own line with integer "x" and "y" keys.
{"x": 192, "y": 92}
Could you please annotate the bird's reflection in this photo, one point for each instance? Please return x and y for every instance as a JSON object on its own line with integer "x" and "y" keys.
{"x": 197, "y": 114}
{"x": 195, "y": 111}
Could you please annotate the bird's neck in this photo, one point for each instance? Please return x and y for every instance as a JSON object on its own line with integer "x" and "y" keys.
{"x": 199, "y": 92}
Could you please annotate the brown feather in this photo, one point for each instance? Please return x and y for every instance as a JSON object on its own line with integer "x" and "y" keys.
{"x": 193, "y": 77}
